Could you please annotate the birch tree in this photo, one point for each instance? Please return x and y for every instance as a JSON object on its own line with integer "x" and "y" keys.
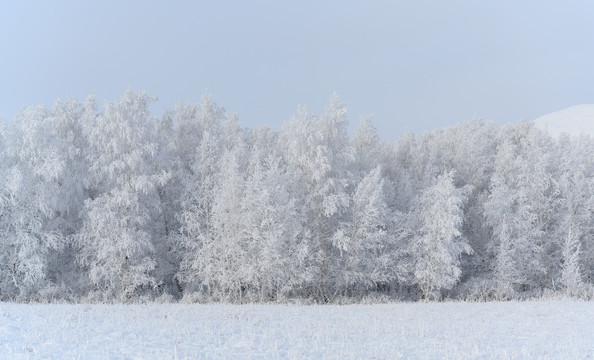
{"x": 318, "y": 150}
{"x": 117, "y": 247}
{"x": 437, "y": 246}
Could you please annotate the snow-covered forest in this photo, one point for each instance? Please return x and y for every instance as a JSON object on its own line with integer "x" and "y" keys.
{"x": 120, "y": 205}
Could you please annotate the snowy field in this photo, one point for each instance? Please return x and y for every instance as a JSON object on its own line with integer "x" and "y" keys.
{"x": 511, "y": 330}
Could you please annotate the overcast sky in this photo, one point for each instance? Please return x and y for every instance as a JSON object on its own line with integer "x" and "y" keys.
{"x": 415, "y": 65}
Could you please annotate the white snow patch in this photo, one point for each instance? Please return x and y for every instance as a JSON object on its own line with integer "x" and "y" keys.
{"x": 574, "y": 120}
{"x": 510, "y": 330}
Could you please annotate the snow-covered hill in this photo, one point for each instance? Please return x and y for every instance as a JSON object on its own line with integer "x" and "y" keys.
{"x": 574, "y": 120}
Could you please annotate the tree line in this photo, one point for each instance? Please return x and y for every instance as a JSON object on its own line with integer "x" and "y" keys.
{"x": 120, "y": 205}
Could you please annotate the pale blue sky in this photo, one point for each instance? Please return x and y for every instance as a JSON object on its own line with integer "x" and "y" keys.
{"x": 415, "y": 65}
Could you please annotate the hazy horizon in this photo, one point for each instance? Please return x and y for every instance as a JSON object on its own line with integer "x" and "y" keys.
{"x": 415, "y": 66}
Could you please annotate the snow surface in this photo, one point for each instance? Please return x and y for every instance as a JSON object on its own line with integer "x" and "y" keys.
{"x": 574, "y": 120}
{"x": 507, "y": 330}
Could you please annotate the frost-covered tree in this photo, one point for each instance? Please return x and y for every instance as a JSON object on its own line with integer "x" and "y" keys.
{"x": 117, "y": 246}
{"x": 200, "y": 178}
{"x": 571, "y": 274}
{"x": 538, "y": 179}
{"x": 273, "y": 232}
{"x": 437, "y": 245}
{"x": 164, "y": 225}
{"x": 223, "y": 254}
{"x": 576, "y": 185}
{"x": 271, "y": 225}
{"x": 363, "y": 241}
{"x": 318, "y": 152}
{"x": 38, "y": 203}
{"x": 507, "y": 248}
{"x": 523, "y": 206}
{"x": 63, "y": 269}
{"x": 471, "y": 150}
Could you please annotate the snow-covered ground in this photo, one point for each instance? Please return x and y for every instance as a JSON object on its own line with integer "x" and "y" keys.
{"x": 574, "y": 120}
{"x": 510, "y": 330}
